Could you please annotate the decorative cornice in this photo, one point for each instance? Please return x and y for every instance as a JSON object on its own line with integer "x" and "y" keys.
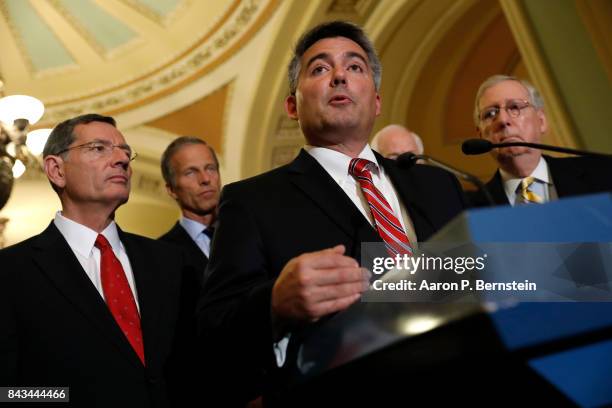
{"x": 247, "y": 18}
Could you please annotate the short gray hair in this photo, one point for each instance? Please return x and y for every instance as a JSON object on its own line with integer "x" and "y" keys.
{"x": 330, "y": 30}
{"x": 62, "y": 135}
{"x": 175, "y": 146}
{"x": 534, "y": 95}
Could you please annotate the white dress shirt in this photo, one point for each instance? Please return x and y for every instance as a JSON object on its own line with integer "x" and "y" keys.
{"x": 195, "y": 230}
{"x": 542, "y": 186}
{"x": 81, "y": 240}
{"x": 336, "y": 164}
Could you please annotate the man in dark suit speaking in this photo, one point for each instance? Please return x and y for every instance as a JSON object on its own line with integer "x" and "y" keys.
{"x": 508, "y": 109}
{"x": 85, "y": 305}
{"x": 287, "y": 246}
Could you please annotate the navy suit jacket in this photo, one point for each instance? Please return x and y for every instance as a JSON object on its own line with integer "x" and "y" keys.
{"x": 267, "y": 220}
{"x": 178, "y": 236}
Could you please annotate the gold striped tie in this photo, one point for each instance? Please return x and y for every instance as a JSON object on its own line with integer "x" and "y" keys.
{"x": 528, "y": 195}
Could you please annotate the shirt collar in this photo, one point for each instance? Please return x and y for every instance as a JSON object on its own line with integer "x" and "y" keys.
{"x": 511, "y": 182}
{"x": 81, "y": 238}
{"x": 336, "y": 163}
{"x": 193, "y": 228}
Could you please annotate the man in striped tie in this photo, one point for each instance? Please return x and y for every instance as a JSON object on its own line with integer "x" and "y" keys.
{"x": 288, "y": 243}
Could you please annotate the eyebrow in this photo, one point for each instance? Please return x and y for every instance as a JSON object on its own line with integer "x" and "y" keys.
{"x": 325, "y": 56}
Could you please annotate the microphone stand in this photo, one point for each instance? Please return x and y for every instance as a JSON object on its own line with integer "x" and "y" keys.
{"x": 489, "y": 146}
{"x": 554, "y": 149}
{"x": 412, "y": 158}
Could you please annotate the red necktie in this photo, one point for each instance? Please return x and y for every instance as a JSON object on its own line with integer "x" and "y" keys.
{"x": 388, "y": 226}
{"x": 119, "y": 296}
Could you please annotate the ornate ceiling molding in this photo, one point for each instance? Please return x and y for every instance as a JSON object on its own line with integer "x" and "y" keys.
{"x": 231, "y": 34}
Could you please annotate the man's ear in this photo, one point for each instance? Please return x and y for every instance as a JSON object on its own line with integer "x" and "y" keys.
{"x": 378, "y": 104}
{"x": 171, "y": 192}
{"x": 291, "y": 107}
{"x": 543, "y": 121}
{"x": 478, "y": 132}
{"x": 54, "y": 169}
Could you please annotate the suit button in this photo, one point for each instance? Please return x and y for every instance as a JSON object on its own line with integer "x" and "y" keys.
{"x": 152, "y": 380}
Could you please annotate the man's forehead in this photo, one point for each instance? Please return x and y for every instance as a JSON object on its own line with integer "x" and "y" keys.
{"x": 345, "y": 44}
{"x": 99, "y": 130}
{"x": 193, "y": 150}
{"x": 502, "y": 91}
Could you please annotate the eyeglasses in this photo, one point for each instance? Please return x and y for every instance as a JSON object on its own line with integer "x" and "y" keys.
{"x": 102, "y": 148}
{"x": 513, "y": 108}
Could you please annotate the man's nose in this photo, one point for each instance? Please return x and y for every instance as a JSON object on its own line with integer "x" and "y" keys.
{"x": 339, "y": 77}
{"x": 120, "y": 157}
{"x": 203, "y": 177}
{"x": 502, "y": 120}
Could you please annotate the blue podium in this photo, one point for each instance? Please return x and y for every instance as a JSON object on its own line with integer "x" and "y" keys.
{"x": 555, "y": 351}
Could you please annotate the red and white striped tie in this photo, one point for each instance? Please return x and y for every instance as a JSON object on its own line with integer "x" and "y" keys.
{"x": 387, "y": 224}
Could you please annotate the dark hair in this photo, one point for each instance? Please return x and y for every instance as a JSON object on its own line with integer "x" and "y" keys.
{"x": 175, "y": 146}
{"x": 63, "y": 136}
{"x": 330, "y": 30}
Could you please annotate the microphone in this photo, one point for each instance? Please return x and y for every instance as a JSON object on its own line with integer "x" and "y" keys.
{"x": 409, "y": 159}
{"x": 480, "y": 146}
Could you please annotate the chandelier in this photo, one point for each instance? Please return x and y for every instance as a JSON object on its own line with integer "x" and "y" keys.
{"x": 20, "y": 148}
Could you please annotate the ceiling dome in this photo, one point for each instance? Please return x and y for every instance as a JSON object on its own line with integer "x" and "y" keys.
{"x": 108, "y": 56}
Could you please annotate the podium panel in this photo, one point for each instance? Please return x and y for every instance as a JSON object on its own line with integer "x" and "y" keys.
{"x": 496, "y": 354}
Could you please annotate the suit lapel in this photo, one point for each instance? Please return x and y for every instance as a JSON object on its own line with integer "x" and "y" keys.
{"x": 181, "y": 237}
{"x": 496, "y": 188}
{"x": 310, "y": 177}
{"x": 55, "y": 258}
{"x": 568, "y": 180}
{"x": 149, "y": 289}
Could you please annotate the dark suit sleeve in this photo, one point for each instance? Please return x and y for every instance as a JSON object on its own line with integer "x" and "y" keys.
{"x": 234, "y": 309}
{"x": 9, "y": 350}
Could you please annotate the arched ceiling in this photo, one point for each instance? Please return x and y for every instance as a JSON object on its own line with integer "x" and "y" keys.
{"x": 112, "y": 55}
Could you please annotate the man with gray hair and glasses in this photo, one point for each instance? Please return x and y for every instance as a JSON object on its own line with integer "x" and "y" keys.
{"x": 508, "y": 109}
{"x": 85, "y": 305}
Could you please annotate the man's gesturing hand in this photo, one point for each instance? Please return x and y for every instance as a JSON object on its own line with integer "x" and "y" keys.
{"x": 315, "y": 284}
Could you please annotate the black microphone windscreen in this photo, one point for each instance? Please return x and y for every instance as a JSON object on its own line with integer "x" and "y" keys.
{"x": 406, "y": 160}
{"x": 476, "y": 146}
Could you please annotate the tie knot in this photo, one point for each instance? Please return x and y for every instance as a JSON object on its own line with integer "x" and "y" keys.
{"x": 359, "y": 167}
{"x": 209, "y": 232}
{"x": 102, "y": 243}
{"x": 527, "y": 182}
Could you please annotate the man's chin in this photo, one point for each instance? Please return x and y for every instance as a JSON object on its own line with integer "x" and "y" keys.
{"x": 512, "y": 152}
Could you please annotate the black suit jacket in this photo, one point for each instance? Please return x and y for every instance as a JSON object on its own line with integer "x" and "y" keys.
{"x": 269, "y": 219}
{"x": 58, "y": 331}
{"x": 571, "y": 176}
{"x": 196, "y": 258}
